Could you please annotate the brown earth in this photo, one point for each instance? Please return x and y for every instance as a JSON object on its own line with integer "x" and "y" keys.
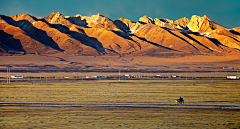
{"x": 114, "y": 63}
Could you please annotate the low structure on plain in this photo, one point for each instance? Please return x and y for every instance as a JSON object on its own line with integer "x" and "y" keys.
{"x": 17, "y": 76}
{"x": 232, "y": 77}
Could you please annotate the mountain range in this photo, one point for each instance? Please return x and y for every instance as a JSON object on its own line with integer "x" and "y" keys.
{"x": 98, "y": 35}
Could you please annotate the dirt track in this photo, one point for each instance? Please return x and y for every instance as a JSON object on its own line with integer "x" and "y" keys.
{"x": 200, "y": 106}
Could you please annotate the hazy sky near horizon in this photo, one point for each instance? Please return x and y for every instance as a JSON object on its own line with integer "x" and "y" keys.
{"x": 223, "y": 12}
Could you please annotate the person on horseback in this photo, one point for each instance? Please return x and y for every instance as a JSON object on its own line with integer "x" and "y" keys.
{"x": 180, "y": 100}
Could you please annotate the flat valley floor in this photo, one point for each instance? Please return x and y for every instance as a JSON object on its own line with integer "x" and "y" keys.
{"x": 131, "y": 63}
{"x": 148, "y": 92}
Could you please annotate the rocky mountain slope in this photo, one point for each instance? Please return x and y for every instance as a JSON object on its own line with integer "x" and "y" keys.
{"x": 98, "y": 35}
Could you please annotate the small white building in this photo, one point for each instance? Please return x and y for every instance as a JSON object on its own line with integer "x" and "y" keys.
{"x": 232, "y": 77}
{"x": 17, "y": 76}
{"x": 95, "y": 76}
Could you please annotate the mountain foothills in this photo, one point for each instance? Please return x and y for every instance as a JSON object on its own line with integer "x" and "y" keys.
{"x": 98, "y": 35}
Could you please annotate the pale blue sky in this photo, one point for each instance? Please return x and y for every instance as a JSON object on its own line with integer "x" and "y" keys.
{"x": 223, "y": 12}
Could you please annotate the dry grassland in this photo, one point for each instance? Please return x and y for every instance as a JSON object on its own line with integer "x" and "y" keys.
{"x": 82, "y": 117}
{"x": 137, "y": 91}
{"x": 125, "y": 91}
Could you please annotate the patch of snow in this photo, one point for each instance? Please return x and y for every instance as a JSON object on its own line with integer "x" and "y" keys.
{"x": 134, "y": 31}
{"x": 207, "y": 34}
{"x": 96, "y": 20}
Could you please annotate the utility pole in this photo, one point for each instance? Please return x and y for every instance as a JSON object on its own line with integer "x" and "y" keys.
{"x": 186, "y": 75}
{"x": 119, "y": 75}
{"x": 8, "y": 75}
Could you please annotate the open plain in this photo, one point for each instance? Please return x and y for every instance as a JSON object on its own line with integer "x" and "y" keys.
{"x": 152, "y": 94}
{"x": 57, "y": 63}
{"x": 211, "y": 101}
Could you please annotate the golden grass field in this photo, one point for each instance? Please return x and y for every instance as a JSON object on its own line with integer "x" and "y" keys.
{"x": 125, "y": 91}
{"x": 82, "y": 117}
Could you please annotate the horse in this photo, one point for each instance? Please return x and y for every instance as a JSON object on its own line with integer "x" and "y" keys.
{"x": 180, "y": 101}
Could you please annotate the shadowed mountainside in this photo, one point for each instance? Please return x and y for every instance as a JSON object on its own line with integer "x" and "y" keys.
{"x": 98, "y": 35}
